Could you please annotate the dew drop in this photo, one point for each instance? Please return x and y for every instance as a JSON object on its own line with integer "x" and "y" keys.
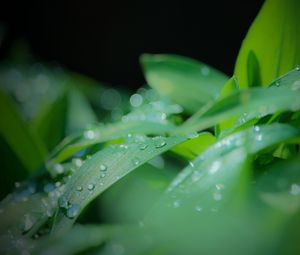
{"x": 198, "y": 208}
{"x": 220, "y": 186}
{"x": 102, "y": 175}
{"x": 296, "y": 85}
{"x": 79, "y": 188}
{"x": 191, "y": 164}
{"x": 77, "y": 162}
{"x": 295, "y": 189}
{"x": 205, "y": 70}
{"x": 123, "y": 146}
{"x": 63, "y": 203}
{"x": 277, "y": 83}
{"x": 215, "y": 167}
{"x": 217, "y": 196}
{"x": 49, "y": 187}
{"x": 256, "y": 128}
{"x": 143, "y": 146}
{"x": 73, "y": 211}
{"x": 103, "y": 167}
{"x": 136, "y": 100}
{"x": 91, "y": 187}
{"x": 159, "y": 142}
{"x": 258, "y": 137}
{"x": 135, "y": 161}
{"x": 58, "y": 168}
{"x": 297, "y": 68}
{"x": 192, "y": 135}
{"x": 89, "y": 134}
{"x": 176, "y": 204}
{"x": 28, "y": 223}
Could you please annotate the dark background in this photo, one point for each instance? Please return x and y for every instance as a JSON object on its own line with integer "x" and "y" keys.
{"x": 103, "y": 39}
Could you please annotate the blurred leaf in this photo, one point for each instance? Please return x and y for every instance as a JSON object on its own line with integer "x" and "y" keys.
{"x": 76, "y": 143}
{"x": 220, "y": 175}
{"x": 253, "y": 70}
{"x": 128, "y": 200}
{"x": 102, "y": 170}
{"x": 193, "y": 147}
{"x": 73, "y": 242}
{"x": 186, "y": 81}
{"x": 229, "y": 88}
{"x": 148, "y": 119}
{"x": 50, "y": 123}
{"x": 250, "y": 104}
{"x": 279, "y": 187}
{"x": 80, "y": 114}
{"x": 272, "y": 42}
{"x": 28, "y": 148}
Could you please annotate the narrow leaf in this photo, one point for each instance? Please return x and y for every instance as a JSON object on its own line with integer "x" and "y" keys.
{"x": 185, "y": 81}
{"x": 274, "y": 40}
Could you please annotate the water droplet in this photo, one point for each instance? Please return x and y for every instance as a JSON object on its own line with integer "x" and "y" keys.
{"x": 49, "y": 187}
{"x": 296, "y": 85}
{"x": 123, "y": 146}
{"x": 79, "y": 188}
{"x": 77, "y": 162}
{"x": 102, "y": 175}
{"x": 198, "y": 208}
{"x": 143, "y": 146}
{"x": 91, "y": 187}
{"x": 277, "y": 83}
{"x": 217, "y": 196}
{"x": 295, "y": 189}
{"x": 256, "y": 128}
{"x": 58, "y": 168}
{"x": 136, "y": 100}
{"x": 259, "y": 137}
{"x": 196, "y": 176}
{"x": 205, "y": 70}
{"x": 215, "y": 167}
{"x": 176, "y": 204}
{"x": 63, "y": 203}
{"x": 28, "y": 223}
{"x": 57, "y": 184}
{"x": 89, "y": 134}
{"x": 191, "y": 164}
{"x": 192, "y": 135}
{"x": 297, "y": 68}
{"x": 73, "y": 211}
{"x": 220, "y": 186}
{"x": 103, "y": 167}
{"x": 17, "y": 184}
{"x": 136, "y": 161}
{"x": 159, "y": 142}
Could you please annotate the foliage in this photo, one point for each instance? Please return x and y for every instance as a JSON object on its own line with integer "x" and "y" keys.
{"x": 196, "y": 163}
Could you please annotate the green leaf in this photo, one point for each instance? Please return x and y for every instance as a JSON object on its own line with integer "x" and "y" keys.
{"x": 254, "y": 103}
{"x": 130, "y": 199}
{"x": 220, "y": 174}
{"x": 279, "y": 187}
{"x": 229, "y": 88}
{"x": 148, "y": 119}
{"x": 80, "y": 114}
{"x": 73, "y": 243}
{"x": 105, "y": 133}
{"x": 28, "y": 148}
{"x": 272, "y": 43}
{"x": 185, "y": 81}
{"x": 193, "y": 147}
{"x": 102, "y": 170}
{"x": 50, "y": 122}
